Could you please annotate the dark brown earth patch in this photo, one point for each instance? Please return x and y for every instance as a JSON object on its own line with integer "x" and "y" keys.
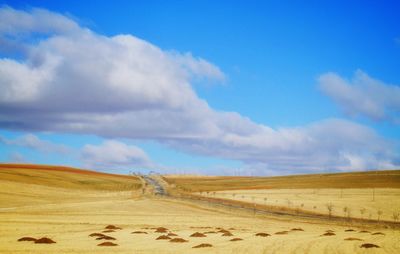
{"x": 227, "y": 234}
{"x": 369, "y": 245}
{"x": 203, "y": 245}
{"x": 353, "y": 239}
{"x": 107, "y": 244}
{"x": 138, "y": 232}
{"x": 106, "y": 237}
{"x": 163, "y": 237}
{"x": 328, "y": 234}
{"x": 108, "y": 231}
{"x": 349, "y": 230}
{"x": 282, "y": 233}
{"x": 178, "y": 240}
{"x": 27, "y": 238}
{"x": 262, "y": 234}
{"x": 364, "y": 231}
{"x": 297, "y": 229}
{"x": 378, "y": 233}
{"x": 112, "y": 227}
{"x": 236, "y": 239}
{"x": 161, "y": 230}
{"x": 96, "y": 235}
{"x": 198, "y": 234}
{"x": 44, "y": 240}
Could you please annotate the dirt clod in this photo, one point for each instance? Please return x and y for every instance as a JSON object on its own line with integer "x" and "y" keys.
{"x": 203, "y": 245}
{"x": 369, "y": 245}
{"x": 163, "y": 237}
{"x": 197, "y": 234}
{"x": 138, "y": 232}
{"x": 378, "y": 233}
{"x": 236, "y": 239}
{"x": 353, "y": 239}
{"x": 297, "y": 229}
{"x": 262, "y": 234}
{"x": 178, "y": 240}
{"x": 107, "y": 244}
{"x": 26, "y": 238}
{"x": 106, "y": 237}
{"x": 227, "y": 234}
{"x": 349, "y": 230}
{"x": 44, "y": 240}
{"x": 172, "y": 234}
{"x": 281, "y": 233}
{"x": 108, "y": 231}
{"x": 328, "y": 234}
{"x": 364, "y": 231}
{"x": 161, "y": 230}
{"x": 96, "y": 235}
{"x": 112, "y": 227}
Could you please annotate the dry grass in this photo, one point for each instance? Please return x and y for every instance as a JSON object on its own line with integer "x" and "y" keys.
{"x": 370, "y": 179}
{"x": 75, "y": 218}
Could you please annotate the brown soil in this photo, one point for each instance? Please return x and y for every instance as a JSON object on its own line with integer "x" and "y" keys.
{"x": 106, "y": 237}
{"x": 97, "y": 235}
{"x": 210, "y": 232}
{"x": 172, "y": 234}
{"x": 45, "y": 240}
{"x": 281, "y": 233}
{"x": 27, "y": 238}
{"x": 203, "y": 245}
{"x": 349, "y": 230}
{"x": 227, "y": 234}
{"x": 328, "y": 234}
{"x": 107, "y": 244}
{"x": 112, "y": 227}
{"x": 161, "y": 230}
{"x": 108, "y": 231}
{"x": 178, "y": 240}
{"x": 353, "y": 239}
{"x": 163, "y": 237}
{"x": 364, "y": 231}
{"x": 197, "y": 234}
{"x": 262, "y": 234}
{"x": 297, "y": 229}
{"x": 369, "y": 245}
{"x": 378, "y": 233}
{"x": 138, "y": 232}
{"x": 223, "y": 231}
{"x": 236, "y": 239}
{"x": 231, "y": 228}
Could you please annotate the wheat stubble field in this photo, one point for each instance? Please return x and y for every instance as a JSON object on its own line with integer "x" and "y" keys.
{"x": 80, "y": 210}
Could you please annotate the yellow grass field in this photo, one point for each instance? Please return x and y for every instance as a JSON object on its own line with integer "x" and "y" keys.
{"x": 69, "y": 205}
{"x": 353, "y": 203}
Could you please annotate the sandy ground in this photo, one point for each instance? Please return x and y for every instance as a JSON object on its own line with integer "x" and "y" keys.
{"x": 69, "y": 224}
{"x": 360, "y": 202}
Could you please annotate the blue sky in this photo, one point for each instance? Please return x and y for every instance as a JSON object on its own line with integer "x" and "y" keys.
{"x": 323, "y": 74}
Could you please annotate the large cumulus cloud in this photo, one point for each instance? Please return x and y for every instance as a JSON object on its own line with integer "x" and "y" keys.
{"x": 71, "y": 79}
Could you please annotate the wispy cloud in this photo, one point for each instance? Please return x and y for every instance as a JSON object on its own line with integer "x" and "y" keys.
{"x": 77, "y": 81}
{"x": 113, "y": 154}
{"x": 33, "y": 142}
{"x": 363, "y": 95}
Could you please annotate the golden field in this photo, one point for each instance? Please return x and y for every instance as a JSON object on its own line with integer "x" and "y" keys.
{"x": 69, "y": 205}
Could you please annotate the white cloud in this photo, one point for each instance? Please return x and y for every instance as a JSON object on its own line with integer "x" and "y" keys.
{"x": 16, "y": 157}
{"x": 363, "y": 95}
{"x": 75, "y": 80}
{"x": 113, "y": 154}
{"x": 33, "y": 142}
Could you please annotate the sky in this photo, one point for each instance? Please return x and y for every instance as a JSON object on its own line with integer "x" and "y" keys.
{"x": 201, "y": 87}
